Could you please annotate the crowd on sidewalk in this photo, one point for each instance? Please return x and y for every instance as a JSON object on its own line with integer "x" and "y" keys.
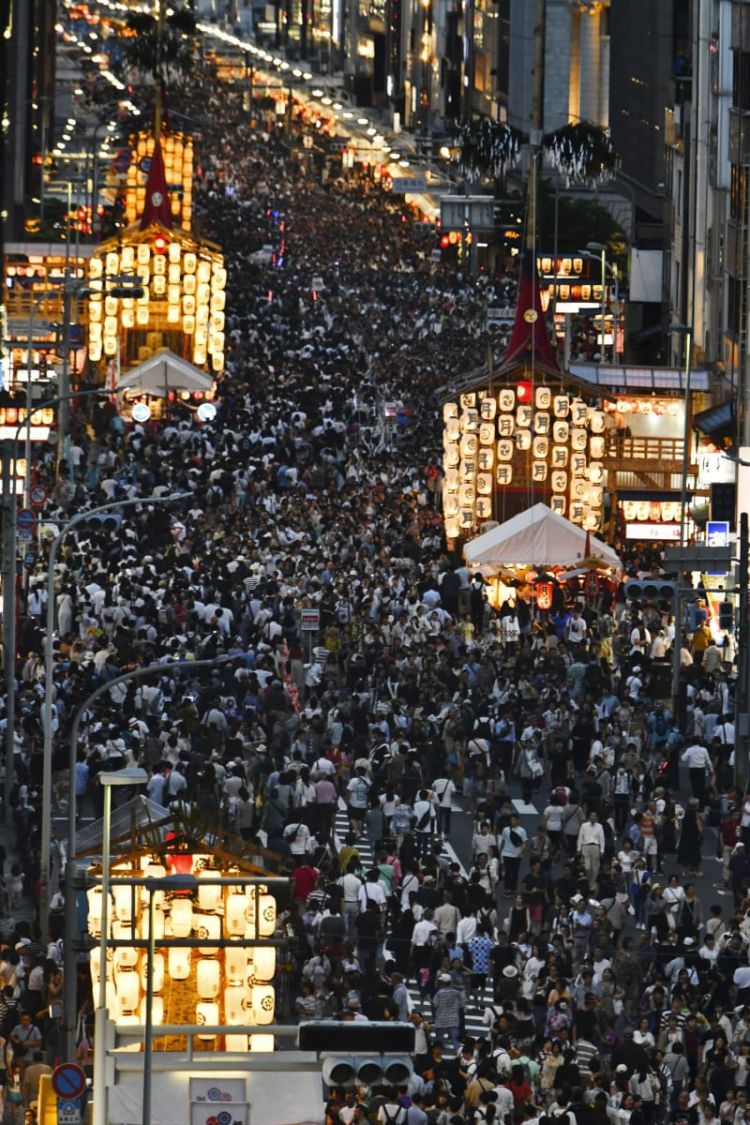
{"x": 605, "y": 991}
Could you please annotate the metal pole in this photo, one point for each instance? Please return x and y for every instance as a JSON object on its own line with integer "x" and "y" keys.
{"x": 9, "y": 618}
{"x": 48, "y": 685}
{"x": 63, "y": 416}
{"x": 742, "y": 692}
{"x": 70, "y": 1000}
{"x": 148, "y": 1040}
{"x": 678, "y": 599}
{"x": 536, "y": 123}
{"x": 99, "y": 1116}
{"x": 602, "y": 351}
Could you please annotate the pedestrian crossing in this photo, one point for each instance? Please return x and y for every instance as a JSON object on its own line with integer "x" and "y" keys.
{"x": 474, "y": 1010}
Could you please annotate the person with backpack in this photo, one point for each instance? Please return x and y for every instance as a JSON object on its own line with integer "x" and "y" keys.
{"x": 424, "y": 822}
{"x": 512, "y": 840}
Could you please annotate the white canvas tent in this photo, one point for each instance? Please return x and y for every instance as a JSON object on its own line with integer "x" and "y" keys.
{"x": 162, "y": 372}
{"x": 536, "y": 537}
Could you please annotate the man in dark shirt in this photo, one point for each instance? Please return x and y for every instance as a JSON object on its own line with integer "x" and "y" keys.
{"x": 585, "y": 1024}
{"x": 368, "y": 937}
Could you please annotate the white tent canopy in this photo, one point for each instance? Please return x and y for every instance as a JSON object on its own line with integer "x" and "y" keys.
{"x": 162, "y": 372}
{"x": 536, "y": 537}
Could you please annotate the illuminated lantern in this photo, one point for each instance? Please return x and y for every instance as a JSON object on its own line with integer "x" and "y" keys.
{"x": 544, "y": 591}
{"x": 539, "y": 471}
{"x": 468, "y": 400}
{"x": 506, "y": 425}
{"x": 523, "y": 439}
{"x": 450, "y": 410}
{"x": 540, "y": 448}
{"x": 543, "y": 398}
{"x": 505, "y": 449}
{"x": 560, "y": 432}
{"x": 504, "y": 474}
{"x": 541, "y": 422}
{"x": 558, "y": 504}
{"x": 488, "y": 409}
{"x": 559, "y": 481}
{"x": 484, "y": 508}
{"x": 487, "y": 433}
{"x": 160, "y": 244}
{"x": 578, "y": 439}
{"x": 484, "y": 484}
{"x": 524, "y": 392}
{"x": 506, "y": 399}
{"x": 485, "y": 460}
{"x": 524, "y": 416}
{"x": 561, "y": 406}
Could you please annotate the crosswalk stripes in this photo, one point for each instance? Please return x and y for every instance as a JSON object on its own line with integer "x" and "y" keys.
{"x": 474, "y": 1025}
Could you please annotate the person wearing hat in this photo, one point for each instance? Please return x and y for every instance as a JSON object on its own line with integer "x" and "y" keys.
{"x": 446, "y": 1008}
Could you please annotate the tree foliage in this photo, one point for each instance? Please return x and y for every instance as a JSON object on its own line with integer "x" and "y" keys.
{"x": 177, "y": 55}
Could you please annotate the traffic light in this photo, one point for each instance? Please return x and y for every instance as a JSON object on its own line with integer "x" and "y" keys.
{"x": 650, "y": 590}
{"x": 160, "y": 244}
{"x": 723, "y": 502}
{"x": 726, "y": 616}
{"x": 370, "y": 1054}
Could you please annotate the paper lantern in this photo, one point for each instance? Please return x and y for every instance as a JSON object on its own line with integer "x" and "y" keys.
{"x": 470, "y": 421}
{"x": 578, "y": 488}
{"x": 128, "y": 992}
{"x": 484, "y": 484}
{"x": 468, "y": 400}
{"x": 539, "y": 471}
{"x": 597, "y": 447}
{"x": 238, "y": 1044}
{"x": 157, "y": 1010}
{"x": 112, "y": 263}
{"x": 487, "y": 433}
{"x": 560, "y": 432}
{"x": 95, "y": 959}
{"x": 208, "y": 979}
{"x": 450, "y": 411}
{"x": 524, "y": 416}
{"x": 178, "y": 964}
{"x": 95, "y": 268}
{"x": 188, "y": 284}
{"x": 596, "y": 472}
{"x": 181, "y": 917}
{"x": 207, "y": 926}
{"x": 466, "y": 495}
{"x": 578, "y": 439}
{"x": 158, "y": 922}
{"x": 451, "y": 456}
{"x": 235, "y": 914}
{"x": 450, "y": 483}
{"x": 559, "y": 481}
{"x": 453, "y": 430}
{"x": 143, "y": 253}
{"x": 488, "y": 409}
{"x": 578, "y": 464}
{"x": 450, "y": 504}
{"x": 157, "y": 971}
{"x": 188, "y": 263}
{"x": 505, "y": 449}
{"x": 263, "y": 960}
{"x": 576, "y": 511}
{"x": 483, "y": 508}
{"x": 544, "y": 592}
{"x": 485, "y": 460}
{"x": 504, "y": 474}
{"x": 260, "y": 1044}
{"x": 579, "y": 412}
{"x": 469, "y": 445}
{"x": 596, "y": 421}
{"x": 452, "y": 529}
{"x": 142, "y": 316}
{"x": 506, "y": 399}
{"x": 263, "y": 1004}
{"x": 559, "y": 456}
{"x": 540, "y": 448}
{"x": 126, "y": 958}
{"x": 235, "y": 963}
{"x": 506, "y": 425}
{"x": 175, "y": 251}
{"x": 235, "y": 1001}
{"x": 94, "y": 897}
{"x": 207, "y": 1013}
{"x": 543, "y": 398}
{"x": 558, "y": 504}
{"x": 204, "y": 272}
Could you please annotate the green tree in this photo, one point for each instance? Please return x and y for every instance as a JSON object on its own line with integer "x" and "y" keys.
{"x": 578, "y": 221}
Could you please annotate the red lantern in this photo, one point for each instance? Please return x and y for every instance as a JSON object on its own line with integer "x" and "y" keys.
{"x": 523, "y": 392}
{"x": 544, "y": 592}
{"x": 591, "y": 584}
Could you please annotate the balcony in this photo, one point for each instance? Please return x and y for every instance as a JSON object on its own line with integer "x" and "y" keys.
{"x": 645, "y": 462}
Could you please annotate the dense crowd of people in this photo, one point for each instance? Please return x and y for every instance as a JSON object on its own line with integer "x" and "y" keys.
{"x": 597, "y": 984}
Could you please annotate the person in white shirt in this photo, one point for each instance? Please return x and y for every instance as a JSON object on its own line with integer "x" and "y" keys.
{"x": 553, "y": 822}
{"x": 467, "y": 929}
{"x": 698, "y": 761}
{"x": 443, "y": 790}
{"x": 513, "y": 840}
{"x": 350, "y": 885}
{"x": 591, "y": 847}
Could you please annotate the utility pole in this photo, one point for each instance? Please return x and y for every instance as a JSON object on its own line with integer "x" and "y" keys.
{"x": 742, "y": 691}
{"x": 9, "y": 614}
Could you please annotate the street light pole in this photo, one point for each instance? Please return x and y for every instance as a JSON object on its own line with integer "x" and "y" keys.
{"x": 46, "y": 839}
{"x": 71, "y": 930}
{"x": 132, "y": 776}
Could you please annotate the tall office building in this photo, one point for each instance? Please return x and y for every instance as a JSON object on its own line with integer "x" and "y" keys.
{"x": 27, "y": 77}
